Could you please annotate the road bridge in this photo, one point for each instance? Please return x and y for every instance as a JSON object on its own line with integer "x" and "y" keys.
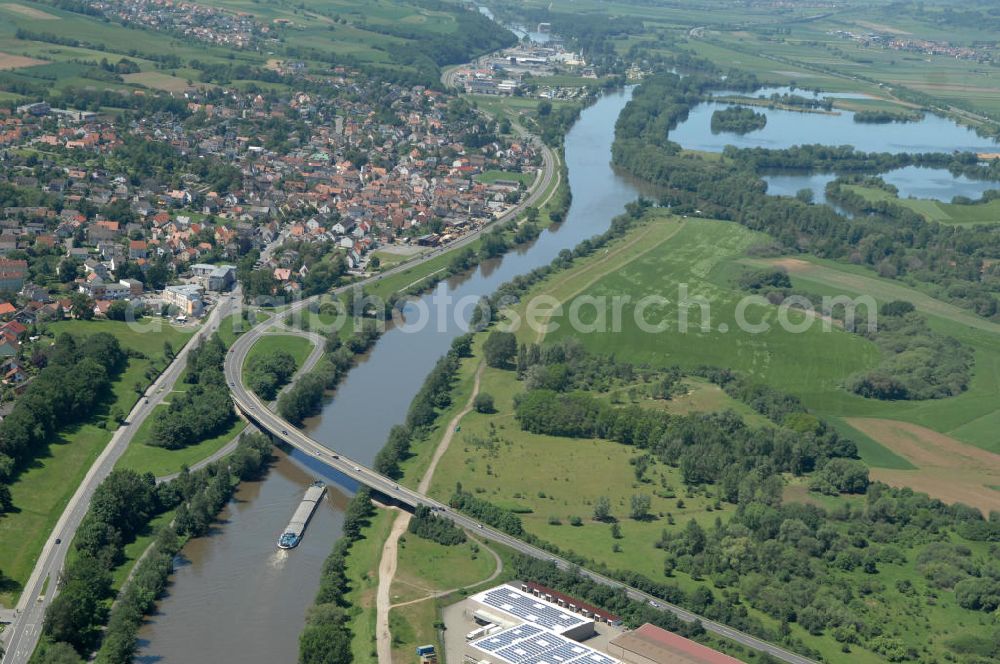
{"x": 257, "y": 411}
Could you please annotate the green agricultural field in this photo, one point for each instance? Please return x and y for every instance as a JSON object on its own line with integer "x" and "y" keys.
{"x": 42, "y": 491}
{"x": 669, "y": 253}
{"x": 361, "y": 33}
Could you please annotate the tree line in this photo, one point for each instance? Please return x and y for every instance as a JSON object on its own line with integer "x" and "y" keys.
{"x": 895, "y": 241}
{"x": 74, "y": 380}
{"x": 424, "y": 523}
{"x": 205, "y": 409}
{"x": 122, "y": 508}
{"x": 266, "y": 374}
{"x": 326, "y": 638}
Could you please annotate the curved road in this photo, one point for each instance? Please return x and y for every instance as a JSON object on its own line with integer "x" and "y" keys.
{"x": 24, "y": 631}
{"x": 256, "y": 410}
{"x": 26, "y": 627}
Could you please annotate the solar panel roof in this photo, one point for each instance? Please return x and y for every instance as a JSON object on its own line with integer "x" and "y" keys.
{"x": 527, "y": 644}
{"x": 530, "y": 608}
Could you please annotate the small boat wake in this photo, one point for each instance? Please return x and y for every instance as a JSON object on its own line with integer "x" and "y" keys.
{"x": 278, "y": 559}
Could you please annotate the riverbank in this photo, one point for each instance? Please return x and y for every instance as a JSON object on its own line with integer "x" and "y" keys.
{"x": 306, "y": 567}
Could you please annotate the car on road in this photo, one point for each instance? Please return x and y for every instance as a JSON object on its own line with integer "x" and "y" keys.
{"x": 357, "y": 469}
{"x": 335, "y": 456}
{"x": 284, "y": 431}
{"x": 58, "y": 540}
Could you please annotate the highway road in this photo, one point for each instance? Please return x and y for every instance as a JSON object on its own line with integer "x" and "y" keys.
{"x": 257, "y": 411}
{"x": 22, "y": 635}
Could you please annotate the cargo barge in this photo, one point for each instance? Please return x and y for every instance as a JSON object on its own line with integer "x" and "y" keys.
{"x": 297, "y": 526}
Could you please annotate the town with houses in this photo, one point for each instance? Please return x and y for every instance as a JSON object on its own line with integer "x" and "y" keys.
{"x": 204, "y": 23}
{"x": 894, "y": 42}
{"x": 292, "y": 182}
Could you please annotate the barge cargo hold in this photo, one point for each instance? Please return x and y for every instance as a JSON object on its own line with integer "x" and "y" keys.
{"x": 297, "y": 526}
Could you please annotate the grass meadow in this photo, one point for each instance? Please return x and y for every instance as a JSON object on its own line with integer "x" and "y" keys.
{"x": 42, "y": 490}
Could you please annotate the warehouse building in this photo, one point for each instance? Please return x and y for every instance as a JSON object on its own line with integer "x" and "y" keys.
{"x": 652, "y": 645}
{"x": 517, "y": 627}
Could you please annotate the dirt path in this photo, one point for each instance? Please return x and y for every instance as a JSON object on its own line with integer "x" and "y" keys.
{"x": 442, "y": 593}
{"x": 388, "y": 562}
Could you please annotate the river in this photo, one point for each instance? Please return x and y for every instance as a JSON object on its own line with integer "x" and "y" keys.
{"x": 233, "y": 597}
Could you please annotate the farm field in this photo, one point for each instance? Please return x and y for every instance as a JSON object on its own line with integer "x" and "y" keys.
{"x": 707, "y": 256}
{"x": 48, "y": 47}
{"x": 699, "y": 255}
{"x": 971, "y": 417}
{"x": 945, "y": 467}
{"x": 42, "y": 490}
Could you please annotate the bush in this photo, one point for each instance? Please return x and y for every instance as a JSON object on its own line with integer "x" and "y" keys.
{"x": 266, "y": 374}
{"x": 841, "y": 476}
{"x": 484, "y": 403}
{"x": 430, "y": 526}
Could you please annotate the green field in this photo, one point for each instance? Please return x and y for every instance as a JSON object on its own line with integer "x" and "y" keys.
{"x": 493, "y": 176}
{"x": 41, "y": 492}
{"x": 425, "y": 567}
{"x": 699, "y": 254}
{"x": 160, "y": 461}
{"x": 932, "y": 210}
{"x": 970, "y": 417}
{"x": 298, "y": 347}
{"x": 358, "y": 33}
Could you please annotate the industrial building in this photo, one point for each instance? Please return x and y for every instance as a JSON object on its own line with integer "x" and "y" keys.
{"x": 528, "y": 623}
{"x": 650, "y": 644}
{"x": 514, "y": 626}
